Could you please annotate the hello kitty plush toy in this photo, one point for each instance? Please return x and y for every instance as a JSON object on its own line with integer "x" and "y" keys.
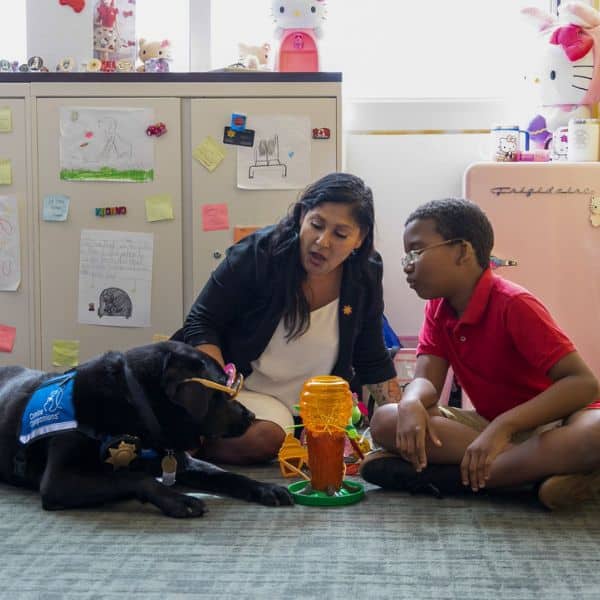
{"x": 570, "y": 71}
{"x": 298, "y": 29}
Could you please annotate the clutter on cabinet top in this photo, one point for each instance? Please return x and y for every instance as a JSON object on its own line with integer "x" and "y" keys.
{"x": 568, "y": 77}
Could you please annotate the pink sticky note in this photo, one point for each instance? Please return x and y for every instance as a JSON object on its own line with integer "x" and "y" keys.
{"x": 215, "y": 217}
{"x": 7, "y": 338}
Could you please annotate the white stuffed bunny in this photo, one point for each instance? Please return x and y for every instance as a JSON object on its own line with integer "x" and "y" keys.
{"x": 570, "y": 69}
{"x": 298, "y": 27}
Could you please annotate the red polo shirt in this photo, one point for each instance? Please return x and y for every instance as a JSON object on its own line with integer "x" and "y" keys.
{"x": 502, "y": 346}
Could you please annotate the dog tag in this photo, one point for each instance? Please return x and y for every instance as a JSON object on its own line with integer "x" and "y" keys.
{"x": 169, "y": 469}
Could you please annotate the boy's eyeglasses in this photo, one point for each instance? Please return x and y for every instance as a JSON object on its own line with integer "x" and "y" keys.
{"x": 410, "y": 258}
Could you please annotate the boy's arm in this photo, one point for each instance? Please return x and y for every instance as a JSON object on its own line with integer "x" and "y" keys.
{"x": 414, "y": 426}
{"x": 574, "y": 387}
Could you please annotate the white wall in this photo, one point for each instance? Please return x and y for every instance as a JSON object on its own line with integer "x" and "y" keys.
{"x": 405, "y": 170}
{"x": 55, "y": 31}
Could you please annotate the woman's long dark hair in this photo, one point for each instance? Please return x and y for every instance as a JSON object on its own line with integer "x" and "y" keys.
{"x": 337, "y": 188}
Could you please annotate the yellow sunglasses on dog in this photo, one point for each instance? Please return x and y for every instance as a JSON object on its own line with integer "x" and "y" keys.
{"x": 235, "y": 381}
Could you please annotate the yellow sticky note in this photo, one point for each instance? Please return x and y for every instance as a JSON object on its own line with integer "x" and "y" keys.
{"x": 159, "y": 337}
{"x": 5, "y": 120}
{"x": 5, "y": 172}
{"x": 65, "y": 353}
{"x": 159, "y": 208}
{"x": 209, "y": 153}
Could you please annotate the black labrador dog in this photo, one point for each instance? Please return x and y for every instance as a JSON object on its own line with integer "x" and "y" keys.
{"x": 106, "y": 430}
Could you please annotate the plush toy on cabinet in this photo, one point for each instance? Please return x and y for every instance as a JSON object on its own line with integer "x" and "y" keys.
{"x": 298, "y": 29}
{"x": 155, "y": 56}
{"x": 254, "y": 58}
{"x": 569, "y": 73}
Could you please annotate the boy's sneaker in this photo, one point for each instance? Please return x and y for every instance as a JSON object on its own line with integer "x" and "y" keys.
{"x": 563, "y": 491}
{"x": 392, "y": 472}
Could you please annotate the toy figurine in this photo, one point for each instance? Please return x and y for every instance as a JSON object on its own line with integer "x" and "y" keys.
{"x": 155, "y": 56}
{"x": 298, "y": 29}
{"x": 569, "y": 76}
{"x": 106, "y": 34}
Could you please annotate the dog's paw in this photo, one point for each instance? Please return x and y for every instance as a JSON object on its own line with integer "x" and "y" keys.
{"x": 271, "y": 495}
{"x": 181, "y": 506}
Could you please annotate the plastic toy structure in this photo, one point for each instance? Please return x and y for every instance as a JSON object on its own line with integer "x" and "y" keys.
{"x": 298, "y": 29}
{"x": 326, "y": 408}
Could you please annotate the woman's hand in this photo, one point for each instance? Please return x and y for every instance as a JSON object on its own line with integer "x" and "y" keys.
{"x": 481, "y": 453}
{"x": 412, "y": 429}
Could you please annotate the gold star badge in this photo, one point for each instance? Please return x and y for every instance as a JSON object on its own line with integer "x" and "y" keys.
{"x": 121, "y": 456}
{"x": 347, "y": 310}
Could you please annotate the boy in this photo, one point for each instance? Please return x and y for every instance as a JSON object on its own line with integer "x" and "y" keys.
{"x": 533, "y": 394}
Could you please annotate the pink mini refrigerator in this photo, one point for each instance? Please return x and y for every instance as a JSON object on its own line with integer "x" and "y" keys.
{"x": 546, "y": 216}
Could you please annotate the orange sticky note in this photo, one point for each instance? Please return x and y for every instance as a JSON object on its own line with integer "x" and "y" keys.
{"x": 215, "y": 217}
{"x": 7, "y": 338}
{"x": 239, "y": 232}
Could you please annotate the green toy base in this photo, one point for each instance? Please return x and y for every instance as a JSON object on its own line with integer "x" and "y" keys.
{"x": 349, "y": 493}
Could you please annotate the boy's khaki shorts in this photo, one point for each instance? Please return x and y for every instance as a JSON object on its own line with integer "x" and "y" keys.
{"x": 475, "y": 421}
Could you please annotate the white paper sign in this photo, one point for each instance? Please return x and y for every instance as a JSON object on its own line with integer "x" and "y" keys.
{"x": 10, "y": 245}
{"x": 106, "y": 144}
{"x": 280, "y": 157}
{"x": 115, "y": 278}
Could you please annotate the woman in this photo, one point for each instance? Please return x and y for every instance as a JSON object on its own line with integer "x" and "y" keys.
{"x": 294, "y": 300}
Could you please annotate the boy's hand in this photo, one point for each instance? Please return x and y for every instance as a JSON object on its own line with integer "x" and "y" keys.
{"x": 481, "y": 453}
{"x": 412, "y": 429}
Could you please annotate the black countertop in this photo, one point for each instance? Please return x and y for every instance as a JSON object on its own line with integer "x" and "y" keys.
{"x": 219, "y": 76}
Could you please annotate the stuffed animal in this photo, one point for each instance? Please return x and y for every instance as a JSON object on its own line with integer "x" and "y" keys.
{"x": 298, "y": 27}
{"x": 155, "y": 56}
{"x": 569, "y": 76}
{"x": 254, "y": 58}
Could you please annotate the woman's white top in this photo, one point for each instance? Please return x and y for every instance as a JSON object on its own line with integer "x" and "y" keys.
{"x": 284, "y": 366}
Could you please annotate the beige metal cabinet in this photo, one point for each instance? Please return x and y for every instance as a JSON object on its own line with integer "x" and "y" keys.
{"x": 248, "y": 207}
{"x": 59, "y": 242}
{"x": 17, "y": 307}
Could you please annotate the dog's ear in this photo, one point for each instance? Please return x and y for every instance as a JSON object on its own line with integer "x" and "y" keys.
{"x": 194, "y": 398}
{"x": 176, "y": 367}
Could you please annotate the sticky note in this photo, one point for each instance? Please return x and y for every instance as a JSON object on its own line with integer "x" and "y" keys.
{"x": 215, "y": 217}
{"x": 159, "y": 208}
{"x": 239, "y": 233}
{"x": 5, "y": 120}
{"x": 5, "y": 172}
{"x": 55, "y": 207}
{"x": 65, "y": 353}
{"x": 209, "y": 153}
{"x": 7, "y": 338}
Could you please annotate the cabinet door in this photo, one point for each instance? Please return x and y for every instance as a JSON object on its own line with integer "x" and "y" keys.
{"x": 542, "y": 218}
{"x": 16, "y": 307}
{"x": 60, "y": 241}
{"x": 246, "y": 207}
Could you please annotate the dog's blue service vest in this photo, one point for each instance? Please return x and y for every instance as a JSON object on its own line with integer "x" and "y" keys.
{"x": 50, "y": 409}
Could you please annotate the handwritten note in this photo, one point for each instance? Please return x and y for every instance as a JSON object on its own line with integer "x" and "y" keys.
{"x": 215, "y": 217}
{"x": 209, "y": 153}
{"x": 55, "y": 207}
{"x": 159, "y": 208}
{"x": 115, "y": 278}
{"x": 7, "y": 338}
{"x": 10, "y": 245}
{"x": 5, "y": 120}
{"x": 5, "y": 172}
{"x": 65, "y": 353}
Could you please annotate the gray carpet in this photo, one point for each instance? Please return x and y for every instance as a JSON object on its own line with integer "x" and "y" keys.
{"x": 391, "y": 545}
